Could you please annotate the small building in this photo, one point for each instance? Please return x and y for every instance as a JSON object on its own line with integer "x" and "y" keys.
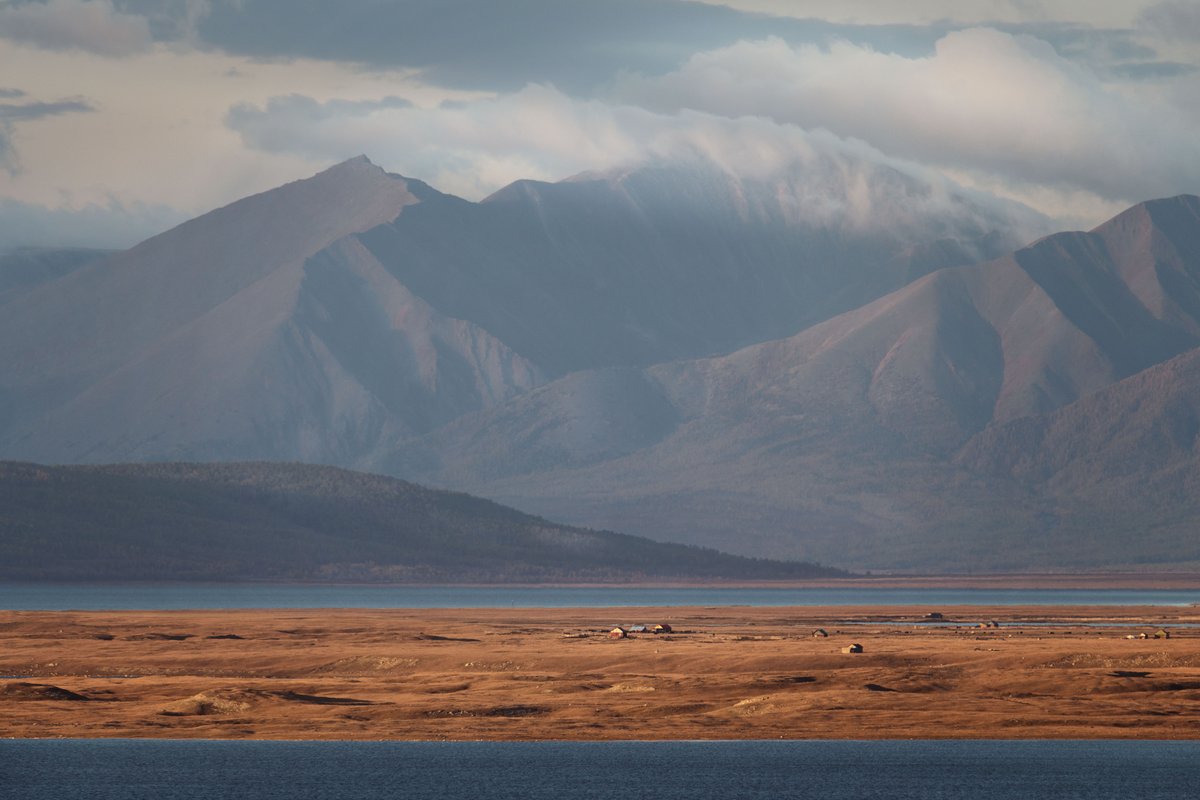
{"x": 618, "y": 633}
{"x": 637, "y": 628}
{"x": 661, "y": 627}
{"x": 1162, "y": 633}
{"x": 853, "y": 648}
{"x": 934, "y": 615}
{"x": 820, "y": 633}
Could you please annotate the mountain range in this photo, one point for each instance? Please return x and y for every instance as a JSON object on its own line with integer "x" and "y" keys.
{"x": 885, "y": 377}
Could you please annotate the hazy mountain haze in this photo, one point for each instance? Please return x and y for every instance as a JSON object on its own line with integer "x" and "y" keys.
{"x": 835, "y": 362}
{"x": 329, "y": 318}
{"x": 841, "y": 441}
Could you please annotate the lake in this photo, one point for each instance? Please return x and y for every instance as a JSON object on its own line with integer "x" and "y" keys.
{"x": 166, "y": 596}
{"x": 887, "y": 770}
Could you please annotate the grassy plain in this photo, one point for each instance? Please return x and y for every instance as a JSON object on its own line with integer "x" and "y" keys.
{"x": 510, "y": 674}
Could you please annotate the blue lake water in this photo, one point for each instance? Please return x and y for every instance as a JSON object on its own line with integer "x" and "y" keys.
{"x": 887, "y": 770}
{"x": 85, "y": 596}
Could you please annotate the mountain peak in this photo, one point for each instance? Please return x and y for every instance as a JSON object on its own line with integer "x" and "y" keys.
{"x": 360, "y": 165}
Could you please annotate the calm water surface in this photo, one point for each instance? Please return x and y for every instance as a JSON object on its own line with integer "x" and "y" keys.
{"x": 891, "y": 770}
{"x": 83, "y": 596}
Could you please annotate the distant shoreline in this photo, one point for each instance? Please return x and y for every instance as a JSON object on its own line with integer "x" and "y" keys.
{"x": 1032, "y": 581}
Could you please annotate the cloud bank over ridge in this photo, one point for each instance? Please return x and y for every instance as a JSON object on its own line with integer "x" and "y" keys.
{"x": 1076, "y": 109}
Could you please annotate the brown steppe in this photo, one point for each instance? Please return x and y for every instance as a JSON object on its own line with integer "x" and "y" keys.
{"x": 509, "y": 674}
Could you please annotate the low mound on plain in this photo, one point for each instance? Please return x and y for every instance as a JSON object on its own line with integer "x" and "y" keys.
{"x": 235, "y": 700}
{"x": 20, "y": 690}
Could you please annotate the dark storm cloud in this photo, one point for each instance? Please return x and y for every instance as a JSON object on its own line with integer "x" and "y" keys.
{"x": 577, "y": 46}
{"x": 1176, "y": 20}
{"x": 505, "y": 45}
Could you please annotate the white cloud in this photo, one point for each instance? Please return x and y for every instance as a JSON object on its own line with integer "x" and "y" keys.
{"x": 95, "y": 26}
{"x": 469, "y": 149}
{"x": 472, "y": 149}
{"x": 157, "y": 136}
{"x": 1006, "y": 106}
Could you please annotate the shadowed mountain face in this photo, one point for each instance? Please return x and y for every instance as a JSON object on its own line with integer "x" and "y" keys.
{"x": 24, "y": 269}
{"x": 1126, "y": 458}
{"x": 840, "y": 443}
{"x": 905, "y": 394}
{"x": 327, "y": 319}
{"x": 662, "y": 263}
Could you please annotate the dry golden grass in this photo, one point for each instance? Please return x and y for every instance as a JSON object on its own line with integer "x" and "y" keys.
{"x": 725, "y": 673}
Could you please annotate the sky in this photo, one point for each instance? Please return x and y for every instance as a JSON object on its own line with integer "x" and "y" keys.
{"x": 120, "y": 118}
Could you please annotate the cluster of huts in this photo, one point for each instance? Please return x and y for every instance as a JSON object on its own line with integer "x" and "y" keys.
{"x": 1161, "y": 633}
{"x": 620, "y": 632}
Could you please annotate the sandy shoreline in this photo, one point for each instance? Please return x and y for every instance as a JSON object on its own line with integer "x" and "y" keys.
{"x": 518, "y": 674}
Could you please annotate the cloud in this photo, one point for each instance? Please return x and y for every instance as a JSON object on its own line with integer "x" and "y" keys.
{"x": 1153, "y": 70}
{"x": 579, "y": 46}
{"x": 114, "y": 225}
{"x": 12, "y": 113}
{"x": 177, "y": 20}
{"x": 95, "y": 26}
{"x": 9, "y": 94}
{"x": 503, "y": 46}
{"x": 1174, "y": 20}
{"x": 8, "y": 157}
{"x": 471, "y": 149}
{"x": 1003, "y": 105}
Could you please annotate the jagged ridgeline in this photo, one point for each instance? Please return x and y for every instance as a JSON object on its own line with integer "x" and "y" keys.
{"x": 300, "y": 522}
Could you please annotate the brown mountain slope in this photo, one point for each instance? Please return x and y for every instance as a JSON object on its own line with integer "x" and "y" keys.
{"x": 325, "y": 320}
{"x": 256, "y": 331}
{"x": 837, "y": 443}
{"x": 1124, "y": 461}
